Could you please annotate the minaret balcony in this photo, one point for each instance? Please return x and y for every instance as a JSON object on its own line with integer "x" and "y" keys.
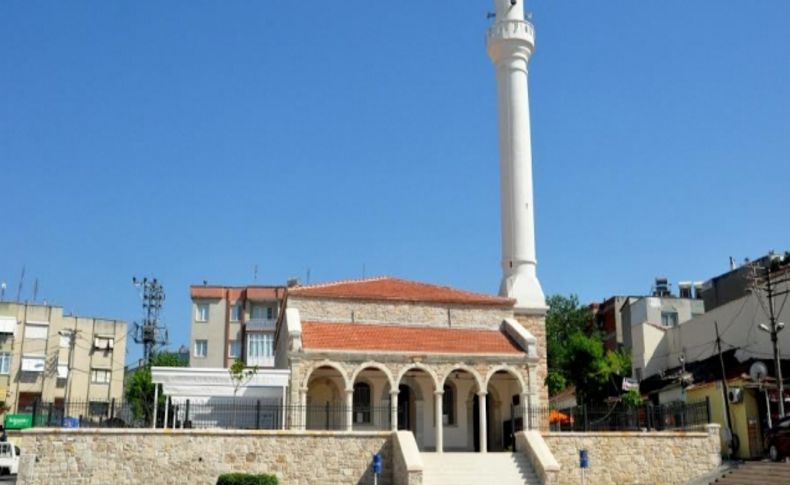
{"x": 519, "y": 32}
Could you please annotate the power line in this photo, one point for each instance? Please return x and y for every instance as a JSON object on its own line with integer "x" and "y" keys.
{"x": 150, "y": 333}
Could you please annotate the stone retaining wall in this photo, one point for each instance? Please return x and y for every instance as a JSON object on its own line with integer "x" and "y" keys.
{"x": 149, "y": 456}
{"x": 636, "y": 458}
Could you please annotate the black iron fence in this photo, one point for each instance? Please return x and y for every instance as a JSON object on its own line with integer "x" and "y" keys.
{"x": 245, "y": 413}
{"x": 619, "y": 417}
{"x": 212, "y": 413}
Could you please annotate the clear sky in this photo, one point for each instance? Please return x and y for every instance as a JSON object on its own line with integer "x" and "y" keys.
{"x": 193, "y": 140}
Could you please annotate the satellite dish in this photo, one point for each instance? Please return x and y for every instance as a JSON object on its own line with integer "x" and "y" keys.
{"x": 758, "y": 371}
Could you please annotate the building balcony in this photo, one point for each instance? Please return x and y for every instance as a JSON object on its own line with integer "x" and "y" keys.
{"x": 261, "y": 324}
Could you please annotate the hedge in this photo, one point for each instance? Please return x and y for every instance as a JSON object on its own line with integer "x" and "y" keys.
{"x": 246, "y": 479}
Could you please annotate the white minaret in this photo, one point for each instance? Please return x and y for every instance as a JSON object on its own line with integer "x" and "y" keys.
{"x": 510, "y": 42}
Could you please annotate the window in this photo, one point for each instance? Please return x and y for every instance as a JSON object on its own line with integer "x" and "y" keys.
{"x": 258, "y": 312}
{"x": 36, "y": 331}
{"x": 103, "y": 343}
{"x": 260, "y": 349}
{"x": 100, "y": 376}
{"x": 5, "y": 363}
{"x": 201, "y": 348}
{"x": 64, "y": 341}
{"x": 33, "y": 363}
{"x": 63, "y": 371}
{"x": 269, "y": 312}
{"x": 201, "y": 312}
{"x": 448, "y": 405}
{"x": 235, "y": 312}
{"x": 234, "y": 348}
{"x": 669, "y": 319}
{"x": 361, "y": 403}
{"x": 98, "y": 408}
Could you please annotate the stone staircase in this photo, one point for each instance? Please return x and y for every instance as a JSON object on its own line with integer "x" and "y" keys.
{"x": 452, "y": 468}
{"x": 756, "y": 473}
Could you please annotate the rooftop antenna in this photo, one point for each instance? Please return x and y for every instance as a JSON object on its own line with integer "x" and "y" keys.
{"x": 35, "y": 290}
{"x": 307, "y": 280}
{"x": 150, "y": 333}
{"x": 21, "y": 281}
{"x": 255, "y": 273}
{"x": 3, "y": 286}
{"x": 363, "y": 271}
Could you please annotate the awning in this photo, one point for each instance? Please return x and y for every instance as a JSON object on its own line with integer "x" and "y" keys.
{"x": 195, "y": 383}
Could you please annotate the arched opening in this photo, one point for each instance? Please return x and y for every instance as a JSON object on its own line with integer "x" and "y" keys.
{"x": 504, "y": 408}
{"x": 416, "y": 386}
{"x": 371, "y": 402}
{"x": 458, "y": 423}
{"x": 325, "y": 404}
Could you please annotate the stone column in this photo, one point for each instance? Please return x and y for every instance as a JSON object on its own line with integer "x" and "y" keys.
{"x": 438, "y": 399}
{"x": 349, "y": 409}
{"x": 525, "y": 411}
{"x": 156, "y": 404}
{"x": 483, "y": 422}
{"x": 167, "y": 405}
{"x": 302, "y": 424}
{"x": 394, "y": 410}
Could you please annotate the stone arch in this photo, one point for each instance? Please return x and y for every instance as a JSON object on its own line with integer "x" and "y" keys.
{"x": 510, "y": 370}
{"x": 462, "y": 367}
{"x": 327, "y": 363}
{"x": 421, "y": 367}
{"x": 372, "y": 365}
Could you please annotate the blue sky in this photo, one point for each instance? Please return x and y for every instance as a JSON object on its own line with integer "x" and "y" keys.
{"x": 193, "y": 140}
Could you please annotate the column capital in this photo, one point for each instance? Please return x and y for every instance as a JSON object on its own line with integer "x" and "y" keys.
{"x": 394, "y": 392}
{"x": 349, "y": 390}
{"x": 482, "y": 393}
{"x": 438, "y": 393}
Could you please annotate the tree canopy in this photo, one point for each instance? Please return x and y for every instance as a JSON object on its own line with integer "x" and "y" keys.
{"x": 576, "y": 355}
{"x": 139, "y": 391}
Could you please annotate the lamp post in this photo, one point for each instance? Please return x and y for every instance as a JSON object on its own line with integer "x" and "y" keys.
{"x": 774, "y": 330}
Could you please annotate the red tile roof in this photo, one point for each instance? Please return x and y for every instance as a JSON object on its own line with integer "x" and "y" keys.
{"x": 394, "y": 289}
{"x": 365, "y": 337}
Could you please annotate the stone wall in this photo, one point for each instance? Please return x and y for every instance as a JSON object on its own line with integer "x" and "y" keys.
{"x": 636, "y": 458}
{"x": 380, "y": 312}
{"x": 536, "y": 325}
{"x": 199, "y": 456}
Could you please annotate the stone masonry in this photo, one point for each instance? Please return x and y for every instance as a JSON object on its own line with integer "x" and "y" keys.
{"x": 536, "y": 325}
{"x": 636, "y": 458}
{"x": 148, "y": 456}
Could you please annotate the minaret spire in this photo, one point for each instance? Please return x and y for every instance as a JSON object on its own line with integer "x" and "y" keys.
{"x": 510, "y": 43}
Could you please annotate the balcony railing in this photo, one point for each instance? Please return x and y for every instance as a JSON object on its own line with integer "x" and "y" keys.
{"x": 261, "y": 324}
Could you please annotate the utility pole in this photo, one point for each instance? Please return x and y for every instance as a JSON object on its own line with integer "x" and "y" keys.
{"x": 775, "y": 328}
{"x": 150, "y": 333}
{"x": 72, "y": 336}
{"x": 723, "y": 381}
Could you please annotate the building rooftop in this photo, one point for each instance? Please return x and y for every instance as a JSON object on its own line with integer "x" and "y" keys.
{"x": 257, "y": 292}
{"x": 395, "y": 289}
{"x": 397, "y": 338}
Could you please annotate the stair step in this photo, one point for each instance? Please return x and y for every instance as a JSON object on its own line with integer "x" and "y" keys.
{"x": 475, "y": 468}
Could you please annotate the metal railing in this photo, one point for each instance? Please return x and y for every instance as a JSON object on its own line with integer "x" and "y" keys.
{"x": 618, "y": 417}
{"x": 217, "y": 413}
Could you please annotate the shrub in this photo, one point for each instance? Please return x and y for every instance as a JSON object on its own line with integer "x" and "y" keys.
{"x": 246, "y": 479}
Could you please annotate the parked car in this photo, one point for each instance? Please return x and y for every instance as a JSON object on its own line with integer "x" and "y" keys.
{"x": 777, "y": 439}
{"x": 9, "y": 458}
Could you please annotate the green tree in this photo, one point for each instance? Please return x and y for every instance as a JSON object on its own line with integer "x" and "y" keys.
{"x": 139, "y": 391}
{"x": 576, "y": 354}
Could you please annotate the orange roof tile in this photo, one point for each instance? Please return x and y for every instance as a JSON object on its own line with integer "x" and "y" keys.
{"x": 207, "y": 292}
{"x": 365, "y": 337}
{"x": 395, "y": 289}
{"x": 237, "y": 292}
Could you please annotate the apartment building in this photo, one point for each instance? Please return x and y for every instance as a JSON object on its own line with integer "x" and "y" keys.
{"x": 230, "y": 322}
{"x": 50, "y": 357}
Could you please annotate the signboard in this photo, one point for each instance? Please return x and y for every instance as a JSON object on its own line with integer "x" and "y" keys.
{"x": 584, "y": 459}
{"x": 629, "y": 383}
{"x": 18, "y": 421}
{"x": 377, "y": 464}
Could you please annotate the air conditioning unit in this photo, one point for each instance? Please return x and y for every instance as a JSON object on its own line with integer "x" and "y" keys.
{"x": 735, "y": 395}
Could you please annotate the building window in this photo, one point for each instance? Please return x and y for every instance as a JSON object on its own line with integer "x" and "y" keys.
{"x": 32, "y": 363}
{"x": 235, "y": 312}
{"x": 361, "y": 403}
{"x": 669, "y": 319}
{"x": 65, "y": 341}
{"x": 101, "y": 376}
{"x": 5, "y": 363}
{"x": 201, "y": 348}
{"x": 234, "y": 348}
{"x": 448, "y": 406}
{"x": 98, "y": 408}
{"x": 103, "y": 343}
{"x": 269, "y": 312}
{"x": 36, "y": 331}
{"x": 201, "y": 312}
{"x": 260, "y": 349}
{"x": 258, "y": 312}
